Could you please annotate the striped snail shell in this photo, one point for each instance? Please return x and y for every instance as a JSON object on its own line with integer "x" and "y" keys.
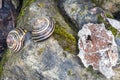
{"x": 15, "y": 39}
{"x": 42, "y": 29}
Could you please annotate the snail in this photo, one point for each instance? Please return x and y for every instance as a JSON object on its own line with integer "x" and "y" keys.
{"x": 15, "y": 39}
{"x": 42, "y": 29}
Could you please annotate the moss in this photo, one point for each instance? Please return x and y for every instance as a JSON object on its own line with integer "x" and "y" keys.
{"x": 25, "y": 4}
{"x": 113, "y": 30}
{"x": 93, "y": 72}
{"x": 41, "y": 50}
{"x": 98, "y": 2}
{"x": 100, "y": 19}
{"x": 70, "y": 73}
{"x": 3, "y": 61}
{"x": 108, "y": 26}
{"x": 41, "y": 5}
{"x": 109, "y": 15}
{"x": 65, "y": 39}
{"x": 73, "y": 10}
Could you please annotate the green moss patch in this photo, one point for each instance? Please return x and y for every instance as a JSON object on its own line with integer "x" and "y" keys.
{"x": 41, "y": 5}
{"x": 65, "y": 39}
{"x": 113, "y": 30}
{"x": 108, "y": 26}
{"x": 96, "y": 74}
{"x": 3, "y": 61}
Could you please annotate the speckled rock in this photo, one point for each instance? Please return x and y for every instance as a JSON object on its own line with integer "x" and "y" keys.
{"x": 98, "y": 48}
{"x": 45, "y": 60}
{"x": 80, "y": 11}
{"x": 52, "y": 59}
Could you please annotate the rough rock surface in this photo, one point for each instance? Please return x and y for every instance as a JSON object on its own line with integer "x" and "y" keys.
{"x": 45, "y": 61}
{"x": 52, "y": 59}
{"x": 98, "y": 48}
{"x": 80, "y": 11}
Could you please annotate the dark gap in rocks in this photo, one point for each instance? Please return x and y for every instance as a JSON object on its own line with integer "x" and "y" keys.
{"x": 8, "y": 17}
{"x": 68, "y": 20}
{"x": 20, "y": 6}
{"x": 117, "y": 15}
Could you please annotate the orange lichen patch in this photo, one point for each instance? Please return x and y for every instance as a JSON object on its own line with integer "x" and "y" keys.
{"x": 98, "y": 48}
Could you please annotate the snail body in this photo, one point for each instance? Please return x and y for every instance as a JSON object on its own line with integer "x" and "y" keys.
{"x": 15, "y": 39}
{"x": 42, "y": 29}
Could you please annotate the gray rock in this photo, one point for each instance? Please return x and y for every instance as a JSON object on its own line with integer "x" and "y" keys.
{"x": 80, "y": 11}
{"x": 49, "y": 60}
{"x": 45, "y": 60}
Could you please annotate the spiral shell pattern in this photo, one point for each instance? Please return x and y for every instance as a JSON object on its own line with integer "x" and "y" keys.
{"x": 15, "y": 39}
{"x": 42, "y": 29}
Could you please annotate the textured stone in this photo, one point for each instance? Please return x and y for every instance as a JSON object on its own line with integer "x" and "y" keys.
{"x": 49, "y": 59}
{"x": 98, "y": 48}
{"x": 45, "y": 60}
{"x": 80, "y": 11}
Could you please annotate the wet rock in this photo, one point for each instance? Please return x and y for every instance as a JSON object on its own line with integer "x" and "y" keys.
{"x": 98, "y": 48}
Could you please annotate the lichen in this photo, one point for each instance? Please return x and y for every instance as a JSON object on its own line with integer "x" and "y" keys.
{"x": 4, "y": 60}
{"x": 65, "y": 39}
{"x": 41, "y": 50}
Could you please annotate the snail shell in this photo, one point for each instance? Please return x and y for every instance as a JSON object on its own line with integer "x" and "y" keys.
{"x": 42, "y": 29}
{"x": 15, "y": 39}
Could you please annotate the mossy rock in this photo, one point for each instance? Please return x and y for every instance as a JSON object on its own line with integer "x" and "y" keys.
{"x": 26, "y": 3}
{"x": 108, "y": 26}
{"x": 65, "y": 39}
{"x": 4, "y": 60}
{"x": 96, "y": 73}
